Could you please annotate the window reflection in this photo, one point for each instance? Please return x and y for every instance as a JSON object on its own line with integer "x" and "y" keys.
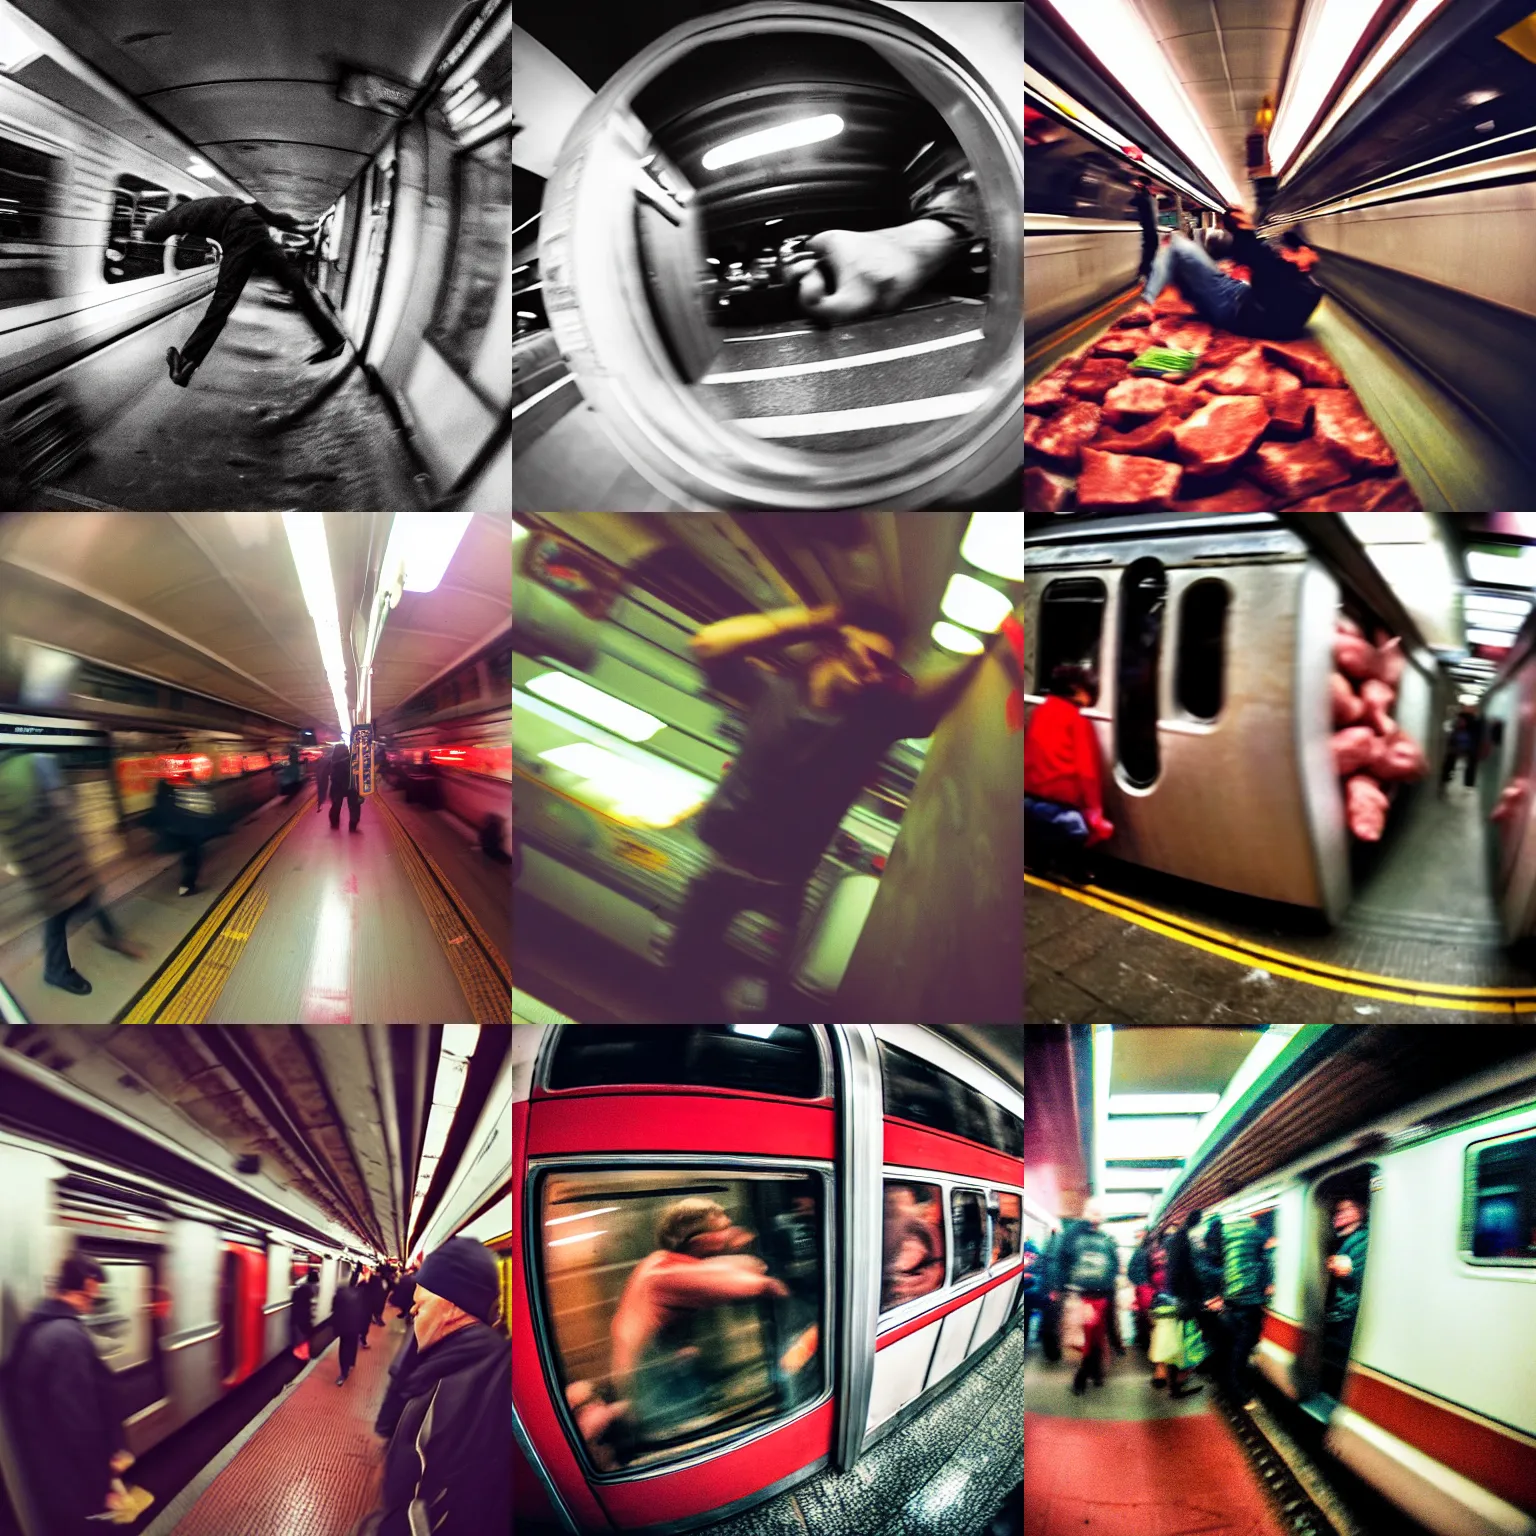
{"x": 968, "y": 1221}
{"x": 684, "y": 1306}
{"x": 914, "y": 1242}
{"x": 1007, "y": 1223}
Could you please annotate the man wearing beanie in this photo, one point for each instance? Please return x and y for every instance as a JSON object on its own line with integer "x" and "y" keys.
{"x": 447, "y": 1469}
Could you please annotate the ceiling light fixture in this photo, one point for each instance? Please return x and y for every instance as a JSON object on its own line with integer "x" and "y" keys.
{"x": 421, "y": 546}
{"x": 312, "y": 562}
{"x": 768, "y": 141}
{"x": 974, "y": 604}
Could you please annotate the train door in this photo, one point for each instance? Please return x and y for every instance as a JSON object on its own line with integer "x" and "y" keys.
{"x": 1334, "y": 1250}
{"x": 671, "y": 1355}
{"x": 242, "y": 1302}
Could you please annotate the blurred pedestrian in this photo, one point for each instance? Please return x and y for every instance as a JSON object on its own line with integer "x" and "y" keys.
{"x": 403, "y": 1295}
{"x": 1138, "y": 1271}
{"x": 301, "y": 1313}
{"x": 378, "y": 1291}
{"x": 1245, "y": 1276}
{"x": 62, "y": 1405}
{"x": 344, "y": 785}
{"x": 1178, "y": 1326}
{"x": 349, "y": 1312}
{"x": 1146, "y": 216}
{"x": 1033, "y": 1291}
{"x": 1063, "y": 798}
{"x": 1464, "y": 744}
{"x": 322, "y": 780}
{"x": 446, "y": 1469}
{"x": 1341, "y": 1307}
{"x": 39, "y": 837}
{"x": 186, "y": 816}
{"x": 1209, "y": 1255}
{"x": 1091, "y": 1267}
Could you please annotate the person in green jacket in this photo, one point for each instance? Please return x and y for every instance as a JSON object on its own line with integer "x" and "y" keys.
{"x": 1244, "y": 1283}
{"x": 1346, "y": 1275}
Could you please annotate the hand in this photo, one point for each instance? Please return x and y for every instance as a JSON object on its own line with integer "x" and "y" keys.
{"x": 1215, "y": 1304}
{"x": 777, "y": 1288}
{"x": 1235, "y": 219}
{"x": 848, "y": 274}
{"x": 1341, "y": 1265}
{"x": 121, "y": 1461}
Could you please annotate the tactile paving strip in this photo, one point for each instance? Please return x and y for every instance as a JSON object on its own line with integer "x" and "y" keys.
{"x": 193, "y": 1002}
{"x": 478, "y": 966}
{"x": 315, "y": 1467}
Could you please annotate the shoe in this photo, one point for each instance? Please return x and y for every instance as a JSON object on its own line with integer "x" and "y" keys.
{"x": 1159, "y": 1381}
{"x": 181, "y": 370}
{"x": 1188, "y": 1391}
{"x": 325, "y": 354}
{"x": 122, "y": 946}
{"x": 188, "y": 890}
{"x": 341, "y": 1380}
{"x": 70, "y": 981}
{"x": 1079, "y": 1386}
{"x": 351, "y": 827}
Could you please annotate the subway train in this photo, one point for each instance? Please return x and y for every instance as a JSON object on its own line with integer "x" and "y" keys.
{"x": 1212, "y": 636}
{"x": 415, "y": 259}
{"x": 1435, "y": 1409}
{"x": 823, "y": 1148}
{"x": 1509, "y": 713}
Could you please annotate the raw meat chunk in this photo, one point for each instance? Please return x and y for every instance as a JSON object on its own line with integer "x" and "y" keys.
{"x": 1354, "y": 655}
{"x": 1118, "y": 346}
{"x": 1365, "y": 808}
{"x": 1143, "y": 314}
{"x": 1353, "y": 749}
{"x": 1290, "y": 415}
{"x": 1347, "y": 708}
{"x": 1033, "y": 427}
{"x": 1067, "y": 431}
{"x": 1221, "y": 432}
{"x": 1046, "y": 393}
{"x": 1242, "y": 497}
{"x": 1150, "y": 437}
{"x": 1123, "y": 480}
{"x": 1294, "y": 470}
{"x": 1343, "y": 498}
{"x": 1135, "y": 397}
{"x": 1180, "y": 335}
{"x": 1345, "y": 625}
{"x": 1223, "y": 350}
{"x": 1096, "y": 376}
{"x": 1249, "y": 374}
{"x": 1344, "y": 427}
{"x": 1307, "y": 360}
{"x": 1045, "y": 492}
{"x": 1389, "y": 658}
{"x": 1378, "y": 698}
{"x": 1391, "y": 495}
{"x": 1397, "y": 759}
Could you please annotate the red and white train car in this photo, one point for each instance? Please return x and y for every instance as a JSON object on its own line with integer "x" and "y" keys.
{"x": 1436, "y": 1404}
{"x": 853, "y": 1195}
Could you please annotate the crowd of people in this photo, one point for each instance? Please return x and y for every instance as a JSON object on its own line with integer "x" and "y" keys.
{"x": 1197, "y": 1295}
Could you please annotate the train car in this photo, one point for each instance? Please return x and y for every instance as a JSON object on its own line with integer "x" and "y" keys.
{"x": 1212, "y": 636}
{"x": 1430, "y": 1399}
{"x": 878, "y": 1171}
{"x": 1509, "y": 710}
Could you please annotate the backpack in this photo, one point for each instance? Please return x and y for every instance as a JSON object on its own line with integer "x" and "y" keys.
{"x": 1093, "y": 1268}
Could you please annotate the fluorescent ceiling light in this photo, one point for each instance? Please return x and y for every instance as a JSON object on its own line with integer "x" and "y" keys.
{"x": 17, "y": 46}
{"x": 424, "y": 544}
{"x": 994, "y": 542}
{"x": 1390, "y": 527}
{"x": 1515, "y": 605}
{"x": 1117, "y": 34}
{"x": 950, "y": 637}
{"x": 1125, "y": 1205}
{"x": 312, "y": 562}
{"x": 593, "y": 704}
{"x": 767, "y": 141}
{"x": 1508, "y": 623}
{"x": 1517, "y": 568}
{"x": 1488, "y": 637}
{"x": 1328, "y": 34}
{"x": 1170, "y": 1136}
{"x": 758, "y": 1031}
{"x": 1162, "y": 1103}
{"x": 1154, "y": 1179}
{"x": 974, "y": 604}
{"x": 655, "y": 793}
{"x": 602, "y": 1210}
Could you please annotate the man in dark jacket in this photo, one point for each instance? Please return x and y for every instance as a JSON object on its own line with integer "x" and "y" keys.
{"x": 404, "y": 1294}
{"x": 1186, "y": 1285}
{"x": 446, "y": 1469}
{"x": 1146, "y": 215}
{"x": 1245, "y": 1278}
{"x": 1346, "y": 1275}
{"x": 344, "y": 784}
{"x": 301, "y": 1309}
{"x": 322, "y": 780}
{"x": 1091, "y": 1268}
{"x": 350, "y": 1313}
{"x": 62, "y": 1406}
{"x": 374, "y": 1286}
{"x": 186, "y": 816}
{"x": 240, "y": 228}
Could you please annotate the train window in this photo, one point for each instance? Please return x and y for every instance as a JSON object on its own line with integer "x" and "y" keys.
{"x": 1071, "y": 626}
{"x": 918, "y": 1091}
{"x": 1007, "y": 1222}
{"x": 481, "y": 241}
{"x": 119, "y": 1323}
{"x": 772, "y": 1058}
{"x": 129, "y": 255}
{"x": 1202, "y": 658}
{"x": 1499, "y": 1225}
{"x": 913, "y": 1263}
{"x": 1143, "y": 595}
{"x": 682, "y": 1307}
{"x": 194, "y": 251}
{"x": 968, "y": 1226}
{"x": 28, "y": 178}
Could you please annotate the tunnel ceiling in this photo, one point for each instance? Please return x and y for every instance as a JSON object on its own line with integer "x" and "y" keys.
{"x": 254, "y": 86}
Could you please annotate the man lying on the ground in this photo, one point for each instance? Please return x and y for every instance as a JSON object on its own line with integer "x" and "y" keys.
{"x": 1274, "y": 304}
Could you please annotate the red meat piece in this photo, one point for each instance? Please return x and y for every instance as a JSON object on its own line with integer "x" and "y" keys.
{"x": 1307, "y": 360}
{"x": 1397, "y": 759}
{"x": 1391, "y": 495}
{"x": 1044, "y": 492}
{"x": 1343, "y": 498}
{"x": 1354, "y": 655}
{"x": 1365, "y": 808}
{"x": 1249, "y": 374}
{"x": 1151, "y": 437}
{"x": 1096, "y": 377}
{"x": 1124, "y": 480}
{"x": 1344, "y": 625}
{"x": 1046, "y": 393}
{"x": 1294, "y": 470}
{"x": 1353, "y": 749}
{"x": 1118, "y": 346}
{"x": 1244, "y": 496}
{"x": 1136, "y": 397}
{"x": 1345, "y": 428}
{"x": 1143, "y": 314}
{"x": 1389, "y": 659}
{"x": 1067, "y": 431}
{"x": 1224, "y": 350}
{"x": 1290, "y": 414}
{"x": 1180, "y": 335}
{"x": 1220, "y": 432}
{"x": 1033, "y": 427}
{"x": 1347, "y": 708}
{"x": 1378, "y": 698}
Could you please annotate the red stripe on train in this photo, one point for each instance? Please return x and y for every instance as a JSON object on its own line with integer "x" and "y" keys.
{"x": 1487, "y": 1454}
{"x": 953, "y": 1305}
{"x": 1285, "y": 1333}
{"x": 915, "y": 1146}
{"x": 673, "y": 1122}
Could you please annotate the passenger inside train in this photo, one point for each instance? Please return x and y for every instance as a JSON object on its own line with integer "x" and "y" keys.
{"x": 1282, "y": 1282}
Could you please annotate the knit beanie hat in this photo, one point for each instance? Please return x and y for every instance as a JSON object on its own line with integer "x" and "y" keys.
{"x": 464, "y": 1272}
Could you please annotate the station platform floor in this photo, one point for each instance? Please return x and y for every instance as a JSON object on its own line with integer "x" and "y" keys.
{"x": 221, "y": 442}
{"x": 1420, "y": 942}
{"x": 404, "y": 921}
{"x": 309, "y": 1465}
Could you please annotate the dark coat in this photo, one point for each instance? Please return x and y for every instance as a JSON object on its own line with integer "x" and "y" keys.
{"x": 301, "y": 1315}
{"x": 403, "y": 1296}
{"x": 62, "y": 1405}
{"x": 447, "y": 1459}
{"x": 376, "y": 1291}
{"x": 186, "y": 813}
{"x": 37, "y": 832}
{"x": 343, "y": 771}
{"x": 350, "y": 1310}
{"x": 1184, "y": 1283}
{"x": 394, "y": 1397}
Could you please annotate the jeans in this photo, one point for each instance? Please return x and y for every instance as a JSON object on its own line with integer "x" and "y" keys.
{"x": 1199, "y": 279}
{"x": 56, "y": 962}
{"x": 700, "y": 957}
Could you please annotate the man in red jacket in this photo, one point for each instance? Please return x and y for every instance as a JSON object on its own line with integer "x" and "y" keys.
{"x": 1063, "y": 803}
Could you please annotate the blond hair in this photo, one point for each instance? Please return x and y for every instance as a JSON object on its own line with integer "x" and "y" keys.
{"x": 685, "y": 1221}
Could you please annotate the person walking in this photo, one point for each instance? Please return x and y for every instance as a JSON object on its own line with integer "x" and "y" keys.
{"x": 1033, "y": 1294}
{"x": 344, "y": 785}
{"x": 62, "y": 1405}
{"x": 39, "y": 837}
{"x": 1146, "y": 215}
{"x": 186, "y": 815}
{"x": 1346, "y": 1275}
{"x": 301, "y": 1313}
{"x": 322, "y": 780}
{"x": 1091, "y": 1266}
{"x": 446, "y": 1469}
{"x": 404, "y": 1292}
{"x": 1245, "y": 1277}
{"x": 1177, "y": 1345}
{"x": 1063, "y": 796}
{"x": 241, "y": 230}
{"x": 1210, "y": 1257}
{"x": 349, "y": 1312}
{"x": 376, "y": 1294}
{"x": 1138, "y": 1271}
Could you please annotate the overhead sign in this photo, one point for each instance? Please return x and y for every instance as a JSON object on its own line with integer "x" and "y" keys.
{"x": 362, "y": 755}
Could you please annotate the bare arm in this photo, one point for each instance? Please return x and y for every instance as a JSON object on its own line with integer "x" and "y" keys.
{"x": 714, "y": 1280}
{"x": 749, "y": 633}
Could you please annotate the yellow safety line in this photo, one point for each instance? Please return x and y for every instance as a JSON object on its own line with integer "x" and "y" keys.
{"x": 479, "y": 968}
{"x": 194, "y": 1002}
{"x": 1401, "y": 994}
{"x": 146, "y": 1009}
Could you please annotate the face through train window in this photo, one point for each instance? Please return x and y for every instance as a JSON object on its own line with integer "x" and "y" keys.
{"x": 683, "y": 1306}
{"x": 1007, "y": 1220}
{"x": 914, "y": 1242}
